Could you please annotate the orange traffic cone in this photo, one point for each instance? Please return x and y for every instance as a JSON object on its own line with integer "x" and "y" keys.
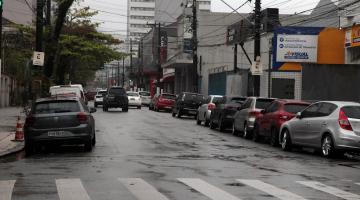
{"x": 19, "y": 135}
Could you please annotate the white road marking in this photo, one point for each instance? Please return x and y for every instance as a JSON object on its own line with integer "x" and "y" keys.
{"x": 141, "y": 189}
{"x": 206, "y": 189}
{"x": 71, "y": 189}
{"x": 331, "y": 190}
{"x": 270, "y": 189}
{"x": 6, "y": 189}
{"x": 357, "y": 183}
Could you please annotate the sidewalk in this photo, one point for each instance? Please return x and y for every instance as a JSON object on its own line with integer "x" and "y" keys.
{"x": 8, "y": 117}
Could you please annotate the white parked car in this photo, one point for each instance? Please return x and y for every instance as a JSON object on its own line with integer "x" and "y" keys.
{"x": 145, "y": 97}
{"x": 99, "y": 97}
{"x": 134, "y": 99}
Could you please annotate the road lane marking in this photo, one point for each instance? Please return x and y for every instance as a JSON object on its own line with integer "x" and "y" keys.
{"x": 6, "y": 189}
{"x": 206, "y": 189}
{"x": 331, "y": 190}
{"x": 270, "y": 189}
{"x": 71, "y": 189}
{"x": 141, "y": 189}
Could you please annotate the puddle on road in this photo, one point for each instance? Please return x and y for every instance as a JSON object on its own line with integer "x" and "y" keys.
{"x": 235, "y": 184}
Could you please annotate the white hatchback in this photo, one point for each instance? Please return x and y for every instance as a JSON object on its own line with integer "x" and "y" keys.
{"x": 134, "y": 99}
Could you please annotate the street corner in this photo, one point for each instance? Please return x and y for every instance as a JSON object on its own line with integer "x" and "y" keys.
{"x": 9, "y": 143}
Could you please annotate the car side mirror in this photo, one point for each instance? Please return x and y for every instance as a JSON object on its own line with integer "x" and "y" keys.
{"x": 299, "y": 115}
{"x": 92, "y": 110}
{"x": 262, "y": 111}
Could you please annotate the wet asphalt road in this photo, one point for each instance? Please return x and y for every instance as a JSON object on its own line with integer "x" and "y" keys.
{"x": 160, "y": 149}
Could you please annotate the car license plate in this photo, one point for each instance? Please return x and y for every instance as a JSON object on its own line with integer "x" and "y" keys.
{"x": 58, "y": 133}
{"x": 192, "y": 112}
{"x": 132, "y": 99}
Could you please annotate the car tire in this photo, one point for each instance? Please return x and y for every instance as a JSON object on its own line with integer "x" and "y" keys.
{"x": 29, "y": 148}
{"x": 246, "y": 133}
{"x": 274, "y": 137}
{"x": 173, "y": 114}
{"x": 125, "y": 109}
{"x": 286, "y": 141}
{"x": 207, "y": 122}
{"x": 88, "y": 145}
{"x": 95, "y": 105}
{"x": 179, "y": 113}
{"x": 139, "y": 107}
{"x": 93, "y": 142}
{"x": 198, "y": 122}
{"x": 221, "y": 124}
{"x": 256, "y": 137}
{"x": 212, "y": 125}
{"x": 327, "y": 147}
{"x": 234, "y": 131}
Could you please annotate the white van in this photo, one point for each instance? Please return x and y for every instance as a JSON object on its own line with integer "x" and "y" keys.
{"x": 75, "y": 89}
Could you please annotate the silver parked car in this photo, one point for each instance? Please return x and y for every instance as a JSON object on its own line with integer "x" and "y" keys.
{"x": 244, "y": 119}
{"x": 204, "y": 111}
{"x": 330, "y": 126}
{"x": 145, "y": 97}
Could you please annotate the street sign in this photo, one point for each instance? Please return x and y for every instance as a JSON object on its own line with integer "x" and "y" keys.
{"x": 257, "y": 67}
{"x": 38, "y": 58}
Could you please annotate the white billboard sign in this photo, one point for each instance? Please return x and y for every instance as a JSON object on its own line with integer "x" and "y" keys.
{"x": 297, "y": 48}
{"x": 38, "y": 58}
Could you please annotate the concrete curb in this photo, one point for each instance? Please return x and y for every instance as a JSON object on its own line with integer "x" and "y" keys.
{"x": 7, "y": 146}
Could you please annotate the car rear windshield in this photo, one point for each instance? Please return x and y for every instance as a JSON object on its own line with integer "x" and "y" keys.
{"x": 102, "y": 92}
{"x": 217, "y": 99}
{"x": 132, "y": 94}
{"x": 168, "y": 96}
{"x": 352, "y": 111}
{"x": 295, "y": 108}
{"x": 56, "y": 107}
{"x": 193, "y": 97}
{"x": 263, "y": 103}
{"x": 237, "y": 100}
{"x": 117, "y": 91}
{"x": 144, "y": 93}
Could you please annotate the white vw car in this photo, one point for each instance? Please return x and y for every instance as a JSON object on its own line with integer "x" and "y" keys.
{"x": 134, "y": 99}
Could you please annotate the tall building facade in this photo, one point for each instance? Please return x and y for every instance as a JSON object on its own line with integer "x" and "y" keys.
{"x": 140, "y": 14}
{"x": 168, "y": 10}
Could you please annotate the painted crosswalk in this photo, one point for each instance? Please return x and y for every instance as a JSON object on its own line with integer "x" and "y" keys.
{"x": 270, "y": 189}
{"x": 208, "y": 190}
{"x": 330, "y": 190}
{"x": 6, "y": 189}
{"x": 140, "y": 189}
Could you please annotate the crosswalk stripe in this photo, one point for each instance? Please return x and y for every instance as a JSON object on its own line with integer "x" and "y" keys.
{"x": 206, "y": 189}
{"x": 141, "y": 189}
{"x": 71, "y": 189}
{"x": 357, "y": 183}
{"x": 331, "y": 190}
{"x": 6, "y": 188}
{"x": 270, "y": 189}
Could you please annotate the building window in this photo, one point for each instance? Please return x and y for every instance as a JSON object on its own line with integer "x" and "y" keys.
{"x": 142, "y": 0}
{"x": 142, "y": 17}
{"x": 141, "y": 9}
{"x": 139, "y": 26}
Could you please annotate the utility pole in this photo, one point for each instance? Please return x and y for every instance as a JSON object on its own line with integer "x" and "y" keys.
{"x": 235, "y": 57}
{"x": 131, "y": 61}
{"x": 1, "y": 56}
{"x": 195, "y": 44}
{"x": 123, "y": 73}
{"x": 48, "y": 13}
{"x": 158, "y": 89}
{"x": 256, "y": 79}
{"x": 39, "y": 25}
{"x": 118, "y": 73}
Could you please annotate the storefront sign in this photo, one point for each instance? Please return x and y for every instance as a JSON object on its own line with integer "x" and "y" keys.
{"x": 348, "y": 38}
{"x": 296, "y": 48}
{"x": 355, "y": 36}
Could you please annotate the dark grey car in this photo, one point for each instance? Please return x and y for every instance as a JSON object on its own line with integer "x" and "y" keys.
{"x": 60, "y": 121}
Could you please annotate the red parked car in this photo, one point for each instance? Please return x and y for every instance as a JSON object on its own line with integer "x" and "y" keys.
{"x": 268, "y": 123}
{"x": 164, "y": 101}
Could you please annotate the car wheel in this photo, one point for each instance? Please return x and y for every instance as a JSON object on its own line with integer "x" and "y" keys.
{"x": 246, "y": 133}
{"x": 212, "y": 125}
{"x": 274, "y": 137}
{"x": 207, "y": 122}
{"x": 327, "y": 147}
{"x": 125, "y": 109}
{"x": 88, "y": 145}
{"x": 256, "y": 136}
{"x": 198, "y": 122}
{"x": 93, "y": 142}
{"x": 139, "y": 107}
{"x": 173, "y": 114}
{"x": 286, "y": 141}
{"x": 234, "y": 131}
{"x": 29, "y": 148}
{"x": 95, "y": 105}
{"x": 221, "y": 125}
{"x": 179, "y": 113}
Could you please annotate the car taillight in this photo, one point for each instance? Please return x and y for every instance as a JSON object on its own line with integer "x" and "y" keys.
{"x": 254, "y": 113}
{"x": 30, "y": 120}
{"x": 83, "y": 118}
{"x": 211, "y": 106}
{"x": 344, "y": 121}
{"x": 161, "y": 99}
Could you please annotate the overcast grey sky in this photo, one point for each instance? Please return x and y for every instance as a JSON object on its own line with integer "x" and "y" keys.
{"x": 114, "y": 22}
